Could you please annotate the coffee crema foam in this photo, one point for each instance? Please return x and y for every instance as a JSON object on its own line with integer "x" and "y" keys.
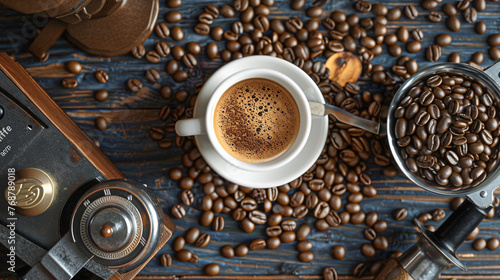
{"x": 256, "y": 120}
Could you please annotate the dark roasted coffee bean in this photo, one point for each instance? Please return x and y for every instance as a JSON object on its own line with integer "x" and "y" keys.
{"x": 69, "y": 83}
{"x": 304, "y": 246}
{"x": 400, "y": 214}
{"x": 139, "y": 51}
{"x": 178, "y": 211}
{"x": 329, "y": 273}
{"x": 166, "y": 260}
{"x": 435, "y": 16}
{"x": 183, "y": 255}
{"x": 470, "y": 15}
{"x": 102, "y": 76}
{"x": 359, "y": 270}
{"x": 306, "y": 256}
{"x": 203, "y": 240}
{"x": 433, "y": 53}
{"x": 370, "y": 234}
{"x": 479, "y": 244}
{"x": 453, "y": 23}
{"x": 73, "y": 66}
{"x": 411, "y": 11}
{"x": 363, "y": 6}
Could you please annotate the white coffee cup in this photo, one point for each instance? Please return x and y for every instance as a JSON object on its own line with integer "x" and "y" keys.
{"x": 205, "y": 124}
{"x": 297, "y": 159}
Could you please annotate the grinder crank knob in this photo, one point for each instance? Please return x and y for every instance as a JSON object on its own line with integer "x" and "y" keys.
{"x": 119, "y": 222}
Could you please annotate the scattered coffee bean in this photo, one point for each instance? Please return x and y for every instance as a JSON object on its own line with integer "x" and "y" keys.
{"x": 69, "y": 82}
{"x": 178, "y": 211}
{"x": 359, "y": 270}
{"x": 400, "y": 214}
{"x": 139, "y": 51}
{"x": 153, "y": 75}
{"x": 73, "y": 66}
{"x": 162, "y": 30}
{"x": 211, "y": 269}
{"x": 453, "y": 23}
{"x": 134, "y": 84}
{"x": 306, "y": 256}
{"x": 479, "y": 244}
{"x": 338, "y": 252}
{"x": 153, "y": 57}
{"x": 411, "y": 11}
{"x": 492, "y": 244}
{"x": 101, "y": 123}
{"x": 166, "y": 260}
{"x": 329, "y": 273}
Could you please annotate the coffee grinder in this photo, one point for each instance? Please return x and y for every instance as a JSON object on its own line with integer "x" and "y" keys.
{"x": 99, "y": 27}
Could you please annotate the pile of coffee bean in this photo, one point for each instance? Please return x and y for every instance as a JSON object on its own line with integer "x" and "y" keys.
{"x": 447, "y": 130}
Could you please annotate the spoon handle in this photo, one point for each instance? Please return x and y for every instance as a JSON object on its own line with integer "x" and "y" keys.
{"x": 343, "y": 116}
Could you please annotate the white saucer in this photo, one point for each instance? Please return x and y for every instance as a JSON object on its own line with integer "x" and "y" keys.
{"x": 276, "y": 177}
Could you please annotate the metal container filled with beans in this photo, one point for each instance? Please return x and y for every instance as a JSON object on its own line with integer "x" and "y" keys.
{"x": 443, "y": 132}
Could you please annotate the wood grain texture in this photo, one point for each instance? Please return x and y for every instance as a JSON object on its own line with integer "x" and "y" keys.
{"x": 127, "y": 144}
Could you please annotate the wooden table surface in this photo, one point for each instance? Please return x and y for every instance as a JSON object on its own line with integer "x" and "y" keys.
{"x": 127, "y": 143}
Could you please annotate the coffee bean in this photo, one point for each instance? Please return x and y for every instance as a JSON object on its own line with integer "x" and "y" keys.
{"x": 403, "y": 34}
{"x": 257, "y": 244}
{"x": 73, "y": 66}
{"x": 338, "y": 252}
{"x": 380, "y": 243}
{"x": 153, "y": 75}
{"x": 101, "y": 123}
{"x": 492, "y": 243}
{"x": 359, "y": 270}
{"x": 153, "y": 57}
{"x": 470, "y": 15}
{"x": 227, "y": 11}
{"x": 417, "y": 34}
{"x": 429, "y": 4}
{"x": 413, "y": 47}
{"x": 303, "y": 231}
{"x": 380, "y": 226}
{"x": 453, "y": 23}
{"x": 363, "y": 6}
{"x": 139, "y": 51}
{"x": 394, "y": 14}
{"x": 134, "y": 84}
{"x": 180, "y": 76}
{"x": 400, "y": 214}
{"x": 288, "y": 225}
{"x": 304, "y": 246}
{"x": 211, "y": 269}
{"x": 162, "y": 30}
{"x": 370, "y": 234}
{"x": 241, "y": 250}
{"x": 206, "y": 218}
{"x": 178, "y": 211}
{"x": 433, "y": 53}
{"x": 411, "y": 11}
{"x": 227, "y": 251}
{"x": 449, "y": 9}
{"x": 306, "y": 256}
{"x": 166, "y": 260}
{"x": 177, "y": 34}
{"x": 69, "y": 83}
{"x": 288, "y": 237}
{"x": 443, "y": 39}
{"x": 203, "y": 240}
{"x": 479, "y": 244}
{"x": 329, "y": 273}
{"x": 183, "y": 255}
{"x": 218, "y": 224}
{"x": 174, "y": 3}
{"x": 435, "y": 16}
